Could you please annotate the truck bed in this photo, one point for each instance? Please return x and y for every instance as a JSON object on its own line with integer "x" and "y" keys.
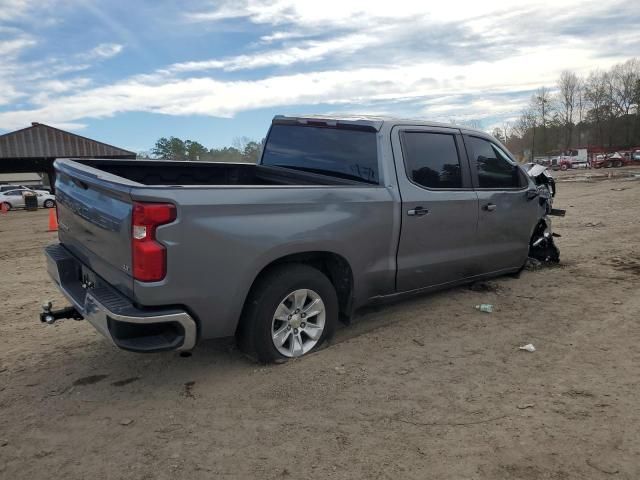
{"x": 185, "y": 173}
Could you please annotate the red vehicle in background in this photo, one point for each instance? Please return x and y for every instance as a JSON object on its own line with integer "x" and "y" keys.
{"x": 617, "y": 159}
{"x": 575, "y": 158}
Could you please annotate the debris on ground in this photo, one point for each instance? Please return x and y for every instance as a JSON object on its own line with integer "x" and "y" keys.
{"x": 187, "y": 391}
{"x": 528, "y": 347}
{"x": 603, "y": 467}
{"x": 485, "y": 307}
{"x": 592, "y": 224}
{"x": 524, "y": 406}
{"x": 418, "y": 342}
{"x": 532, "y": 264}
{"x": 483, "y": 287}
{"x": 126, "y": 421}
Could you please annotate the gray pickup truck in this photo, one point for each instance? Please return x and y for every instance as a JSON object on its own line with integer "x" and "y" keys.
{"x": 338, "y": 213}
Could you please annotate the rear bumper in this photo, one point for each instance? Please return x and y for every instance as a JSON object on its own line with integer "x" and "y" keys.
{"x": 115, "y": 316}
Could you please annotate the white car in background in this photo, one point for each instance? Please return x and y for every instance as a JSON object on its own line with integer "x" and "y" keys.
{"x": 15, "y": 198}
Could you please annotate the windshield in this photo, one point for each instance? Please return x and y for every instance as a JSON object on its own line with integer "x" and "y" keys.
{"x": 343, "y": 153}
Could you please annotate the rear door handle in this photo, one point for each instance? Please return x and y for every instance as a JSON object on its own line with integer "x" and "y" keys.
{"x": 417, "y": 212}
{"x": 490, "y": 207}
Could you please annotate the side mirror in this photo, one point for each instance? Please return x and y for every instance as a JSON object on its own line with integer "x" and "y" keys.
{"x": 531, "y": 194}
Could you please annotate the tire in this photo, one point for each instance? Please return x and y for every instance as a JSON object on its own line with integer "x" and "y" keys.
{"x": 7, "y": 206}
{"x": 563, "y": 167}
{"x": 618, "y": 164}
{"x": 273, "y": 292}
{"x": 49, "y": 204}
{"x": 609, "y": 165}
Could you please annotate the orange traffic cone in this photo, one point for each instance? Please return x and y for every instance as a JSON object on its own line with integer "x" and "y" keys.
{"x": 3, "y": 208}
{"x": 53, "y": 220}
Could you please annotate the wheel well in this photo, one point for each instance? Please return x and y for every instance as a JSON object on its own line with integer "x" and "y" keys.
{"x": 334, "y": 266}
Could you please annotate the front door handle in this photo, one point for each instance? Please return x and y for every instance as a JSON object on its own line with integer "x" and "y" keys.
{"x": 417, "y": 212}
{"x": 490, "y": 207}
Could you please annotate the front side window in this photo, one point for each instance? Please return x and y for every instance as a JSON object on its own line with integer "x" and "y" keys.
{"x": 340, "y": 152}
{"x": 495, "y": 169}
{"x": 431, "y": 159}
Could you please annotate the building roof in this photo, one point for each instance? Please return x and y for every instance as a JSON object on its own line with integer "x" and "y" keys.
{"x": 43, "y": 141}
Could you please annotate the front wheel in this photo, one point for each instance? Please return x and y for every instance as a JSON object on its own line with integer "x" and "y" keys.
{"x": 291, "y": 311}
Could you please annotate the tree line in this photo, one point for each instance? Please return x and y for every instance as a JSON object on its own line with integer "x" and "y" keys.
{"x": 173, "y": 148}
{"x": 600, "y": 109}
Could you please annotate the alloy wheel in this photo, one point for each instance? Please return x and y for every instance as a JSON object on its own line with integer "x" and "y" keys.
{"x": 298, "y": 323}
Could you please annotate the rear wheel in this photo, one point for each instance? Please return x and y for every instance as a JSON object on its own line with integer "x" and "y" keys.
{"x": 6, "y": 206}
{"x": 49, "y": 204}
{"x": 618, "y": 164}
{"x": 291, "y": 311}
{"x": 563, "y": 166}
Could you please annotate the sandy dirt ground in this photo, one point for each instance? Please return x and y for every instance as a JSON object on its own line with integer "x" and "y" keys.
{"x": 428, "y": 388}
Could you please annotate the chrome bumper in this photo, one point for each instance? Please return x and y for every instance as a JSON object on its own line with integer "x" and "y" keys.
{"x": 102, "y": 305}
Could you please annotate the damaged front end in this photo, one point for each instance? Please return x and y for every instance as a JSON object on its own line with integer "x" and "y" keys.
{"x": 541, "y": 246}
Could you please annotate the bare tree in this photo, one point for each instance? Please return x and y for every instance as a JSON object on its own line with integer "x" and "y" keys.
{"x": 471, "y": 123}
{"x": 621, "y": 88}
{"x": 597, "y": 96}
{"x": 506, "y": 129}
{"x": 541, "y": 103}
{"x": 497, "y": 133}
{"x": 526, "y": 124}
{"x": 581, "y": 107}
{"x": 601, "y": 109}
{"x": 568, "y": 86}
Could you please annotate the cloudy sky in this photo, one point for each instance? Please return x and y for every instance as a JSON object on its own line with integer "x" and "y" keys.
{"x": 128, "y": 72}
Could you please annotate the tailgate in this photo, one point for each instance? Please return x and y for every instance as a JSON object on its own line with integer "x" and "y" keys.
{"x": 94, "y": 221}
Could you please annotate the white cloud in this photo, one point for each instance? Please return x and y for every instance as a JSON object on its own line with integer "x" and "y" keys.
{"x": 104, "y": 50}
{"x": 209, "y": 96}
{"x": 469, "y": 60}
{"x": 308, "y": 51}
{"x": 60, "y": 86}
{"x": 279, "y": 36}
{"x": 341, "y": 13}
{"x": 15, "y": 45}
{"x": 11, "y": 9}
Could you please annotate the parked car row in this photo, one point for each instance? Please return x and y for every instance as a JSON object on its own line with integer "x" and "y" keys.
{"x": 10, "y": 199}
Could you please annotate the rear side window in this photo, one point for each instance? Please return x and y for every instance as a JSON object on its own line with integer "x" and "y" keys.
{"x": 344, "y": 153}
{"x": 431, "y": 159}
{"x": 495, "y": 169}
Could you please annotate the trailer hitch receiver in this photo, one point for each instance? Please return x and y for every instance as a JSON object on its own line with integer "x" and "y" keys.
{"x": 50, "y": 316}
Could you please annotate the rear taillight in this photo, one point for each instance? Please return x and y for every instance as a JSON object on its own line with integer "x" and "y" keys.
{"x": 149, "y": 257}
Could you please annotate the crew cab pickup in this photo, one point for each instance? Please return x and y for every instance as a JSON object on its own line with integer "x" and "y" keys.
{"x": 339, "y": 212}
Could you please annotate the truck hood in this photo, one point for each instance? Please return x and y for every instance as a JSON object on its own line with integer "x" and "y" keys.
{"x": 541, "y": 176}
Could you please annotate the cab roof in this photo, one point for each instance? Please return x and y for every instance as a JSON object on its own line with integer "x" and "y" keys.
{"x": 374, "y": 122}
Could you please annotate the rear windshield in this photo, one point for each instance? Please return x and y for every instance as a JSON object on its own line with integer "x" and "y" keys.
{"x": 343, "y": 153}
